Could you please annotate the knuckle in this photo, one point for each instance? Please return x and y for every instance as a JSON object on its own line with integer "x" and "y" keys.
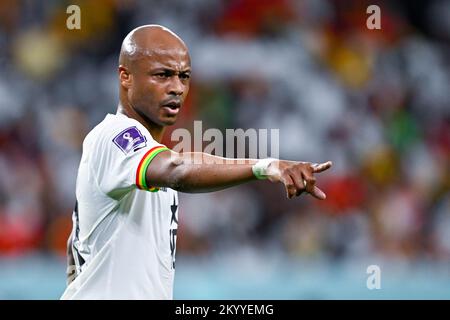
{"x": 311, "y": 180}
{"x": 304, "y": 166}
{"x": 292, "y": 168}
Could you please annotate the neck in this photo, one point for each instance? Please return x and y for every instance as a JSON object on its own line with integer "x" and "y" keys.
{"x": 157, "y": 131}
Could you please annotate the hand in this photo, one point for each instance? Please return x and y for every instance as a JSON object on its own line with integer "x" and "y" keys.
{"x": 298, "y": 177}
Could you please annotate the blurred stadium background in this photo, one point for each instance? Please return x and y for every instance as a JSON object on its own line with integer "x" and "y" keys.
{"x": 375, "y": 102}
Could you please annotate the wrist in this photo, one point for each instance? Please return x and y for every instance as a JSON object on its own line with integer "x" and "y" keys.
{"x": 260, "y": 168}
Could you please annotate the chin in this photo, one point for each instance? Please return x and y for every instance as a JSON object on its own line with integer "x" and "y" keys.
{"x": 168, "y": 121}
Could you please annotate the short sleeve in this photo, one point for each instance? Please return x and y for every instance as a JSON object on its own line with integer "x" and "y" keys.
{"x": 121, "y": 157}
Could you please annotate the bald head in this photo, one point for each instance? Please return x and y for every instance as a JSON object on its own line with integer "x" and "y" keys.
{"x": 150, "y": 40}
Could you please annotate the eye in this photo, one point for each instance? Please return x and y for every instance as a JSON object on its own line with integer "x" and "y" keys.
{"x": 185, "y": 76}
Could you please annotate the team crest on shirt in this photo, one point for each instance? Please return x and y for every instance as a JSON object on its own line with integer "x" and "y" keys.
{"x": 130, "y": 139}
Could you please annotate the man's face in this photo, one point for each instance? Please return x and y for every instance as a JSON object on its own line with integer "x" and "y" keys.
{"x": 160, "y": 83}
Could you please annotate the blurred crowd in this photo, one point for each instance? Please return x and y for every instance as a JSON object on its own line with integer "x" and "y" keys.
{"x": 375, "y": 102}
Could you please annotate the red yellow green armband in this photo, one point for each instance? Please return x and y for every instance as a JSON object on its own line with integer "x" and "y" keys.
{"x": 141, "y": 182}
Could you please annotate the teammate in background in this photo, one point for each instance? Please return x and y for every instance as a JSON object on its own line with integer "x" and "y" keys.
{"x": 125, "y": 220}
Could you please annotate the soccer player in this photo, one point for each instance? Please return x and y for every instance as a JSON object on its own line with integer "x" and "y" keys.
{"x": 125, "y": 220}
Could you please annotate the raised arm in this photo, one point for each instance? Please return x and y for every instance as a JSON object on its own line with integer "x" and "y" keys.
{"x": 202, "y": 172}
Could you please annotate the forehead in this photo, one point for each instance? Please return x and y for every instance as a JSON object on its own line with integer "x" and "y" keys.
{"x": 175, "y": 58}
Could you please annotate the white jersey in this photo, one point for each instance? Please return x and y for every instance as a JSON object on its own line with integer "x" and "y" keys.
{"x": 124, "y": 232}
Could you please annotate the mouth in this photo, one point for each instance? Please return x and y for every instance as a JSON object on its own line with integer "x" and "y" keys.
{"x": 172, "y": 107}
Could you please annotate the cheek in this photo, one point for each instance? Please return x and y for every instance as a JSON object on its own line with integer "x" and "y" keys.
{"x": 154, "y": 88}
{"x": 146, "y": 91}
{"x": 186, "y": 90}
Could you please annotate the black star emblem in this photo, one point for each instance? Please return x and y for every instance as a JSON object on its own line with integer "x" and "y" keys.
{"x": 174, "y": 208}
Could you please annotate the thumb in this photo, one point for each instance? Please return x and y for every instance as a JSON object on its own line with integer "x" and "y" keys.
{"x": 318, "y": 194}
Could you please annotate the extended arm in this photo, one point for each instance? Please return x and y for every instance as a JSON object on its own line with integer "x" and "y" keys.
{"x": 202, "y": 172}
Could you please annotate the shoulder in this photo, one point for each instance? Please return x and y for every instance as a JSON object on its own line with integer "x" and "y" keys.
{"x": 118, "y": 132}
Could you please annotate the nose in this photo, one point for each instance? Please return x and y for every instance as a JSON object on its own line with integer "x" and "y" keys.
{"x": 176, "y": 87}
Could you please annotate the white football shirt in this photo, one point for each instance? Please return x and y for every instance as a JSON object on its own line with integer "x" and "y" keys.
{"x": 124, "y": 232}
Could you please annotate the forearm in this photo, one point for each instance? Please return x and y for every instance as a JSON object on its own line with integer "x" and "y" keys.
{"x": 201, "y": 172}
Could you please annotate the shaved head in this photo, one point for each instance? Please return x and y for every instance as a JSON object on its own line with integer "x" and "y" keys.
{"x": 149, "y": 40}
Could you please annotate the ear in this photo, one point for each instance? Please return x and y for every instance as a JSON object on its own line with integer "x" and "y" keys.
{"x": 125, "y": 77}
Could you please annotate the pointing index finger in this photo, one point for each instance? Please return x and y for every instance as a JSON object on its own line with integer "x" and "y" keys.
{"x": 322, "y": 166}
